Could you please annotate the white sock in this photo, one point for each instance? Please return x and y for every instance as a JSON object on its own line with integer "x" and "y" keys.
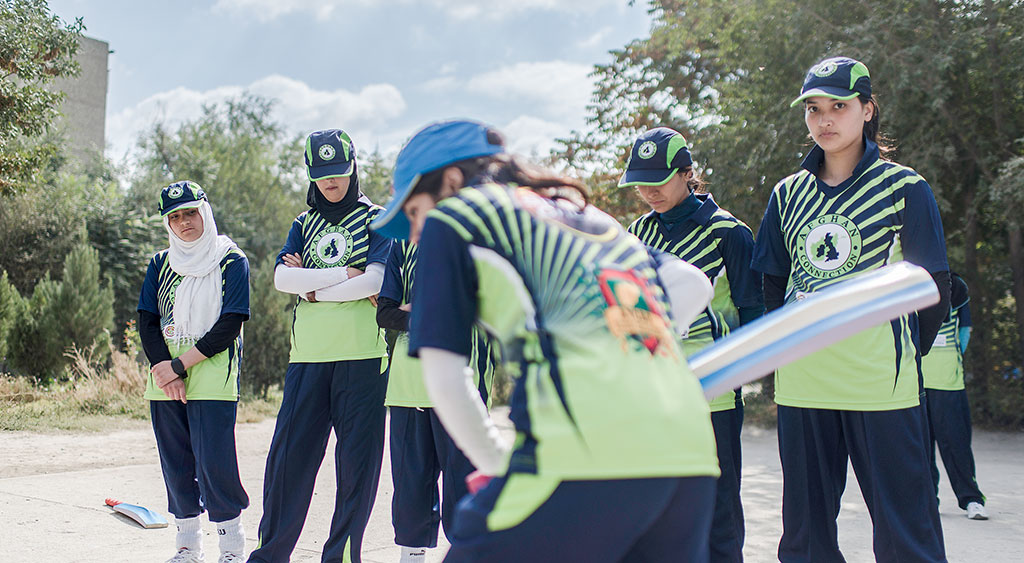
{"x": 190, "y": 534}
{"x": 413, "y": 554}
{"x": 231, "y": 535}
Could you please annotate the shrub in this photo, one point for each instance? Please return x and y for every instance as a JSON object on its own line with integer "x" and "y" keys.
{"x": 267, "y": 333}
{"x": 77, "y": 311}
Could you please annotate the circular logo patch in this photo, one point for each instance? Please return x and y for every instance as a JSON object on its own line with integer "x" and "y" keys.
{"x": 175, "y": 192}
{"x": 326, "y": 152}
{"x": 331, "y": 246}
{"x": 825, "y": 69}
{"x": 169, "y": 332}
{"x": 830, "y": 246}
{"x": 647, "y": 149}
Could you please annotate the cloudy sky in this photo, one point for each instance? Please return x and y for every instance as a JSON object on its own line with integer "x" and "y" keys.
{"x": 379, "y": 69}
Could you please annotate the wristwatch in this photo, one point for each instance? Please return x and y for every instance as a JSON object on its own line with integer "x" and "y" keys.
{"x": 179, "y": 368}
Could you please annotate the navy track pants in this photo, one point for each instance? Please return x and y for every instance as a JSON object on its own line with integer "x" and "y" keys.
{"x": 727, "y": 528}
{"x": 196, "y": 441}
{"x": 625, "y": 520}
{"x": 949, "y": 425}
{"x": 347, "y": 396}
{"x": 421, "y": 450}
{"x": 888, "y": 451}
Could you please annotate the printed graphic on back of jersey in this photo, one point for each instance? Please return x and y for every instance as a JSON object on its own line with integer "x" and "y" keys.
{"x": 829, "y": 246}
{"x": 331, "y": 246}
{"x": 633, "y": 313}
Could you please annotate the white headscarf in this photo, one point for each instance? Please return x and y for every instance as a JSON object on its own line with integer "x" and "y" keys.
{"x": 197, "y": 301}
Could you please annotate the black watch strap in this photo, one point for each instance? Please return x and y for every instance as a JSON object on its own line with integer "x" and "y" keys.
{"x": 179, "y": 368}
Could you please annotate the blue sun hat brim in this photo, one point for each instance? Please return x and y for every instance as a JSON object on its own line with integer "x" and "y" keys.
{"x": 433, "y": 147}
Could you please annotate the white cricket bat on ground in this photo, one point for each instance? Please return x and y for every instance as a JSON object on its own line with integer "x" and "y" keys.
{"x": 815, "y": 322}
{"x": 144, "y": 516}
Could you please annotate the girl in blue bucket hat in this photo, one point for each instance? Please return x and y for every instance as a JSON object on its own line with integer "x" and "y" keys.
{"x": 848, "y": 211}
{"x": 336, "y": 374}
{"x": 614, "y": 457}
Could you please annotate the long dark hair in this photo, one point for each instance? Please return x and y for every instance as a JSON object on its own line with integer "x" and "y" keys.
{"x": 872, "y": 129}
{"x": 508, "y": 169}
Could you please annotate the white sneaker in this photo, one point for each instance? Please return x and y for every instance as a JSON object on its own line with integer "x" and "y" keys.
{"x": 231, "y": 557}
{"x": 976, "y": 511}
{"x": 413, "y": 555}
{"x": 186, "y": 555}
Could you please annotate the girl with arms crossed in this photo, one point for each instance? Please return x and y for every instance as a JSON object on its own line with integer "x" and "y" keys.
{"x": 850, "y": 211}
{"x": 335, "y": 375}
{"x": 614, "y": 458}
{"x": 194, "y": 300}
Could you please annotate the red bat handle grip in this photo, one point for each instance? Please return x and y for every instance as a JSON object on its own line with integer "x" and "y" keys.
{"x": 477, "y": 480}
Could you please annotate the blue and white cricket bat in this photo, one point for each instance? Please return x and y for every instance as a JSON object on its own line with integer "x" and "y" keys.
{"x": 810, "y": 324}
{"x": 144, "y": 516}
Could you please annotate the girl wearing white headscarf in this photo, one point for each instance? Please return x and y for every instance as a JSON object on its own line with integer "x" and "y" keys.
{"x": 191, "y": 309}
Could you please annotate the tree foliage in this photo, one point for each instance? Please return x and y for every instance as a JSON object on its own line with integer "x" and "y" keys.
{"x": 948, "y": 75}
{"x": 251, "y": 171}
{"x": 35, "y": 47}
{"x": 77, "y": 311}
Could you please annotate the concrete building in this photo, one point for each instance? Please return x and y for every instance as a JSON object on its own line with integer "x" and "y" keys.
{"x": 85, "y": 105}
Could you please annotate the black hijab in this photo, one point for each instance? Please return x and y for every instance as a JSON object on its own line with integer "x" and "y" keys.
{"x": 335, "y": 212}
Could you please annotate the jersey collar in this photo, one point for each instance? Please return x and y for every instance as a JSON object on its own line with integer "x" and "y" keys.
{"x": 814, "y": 159}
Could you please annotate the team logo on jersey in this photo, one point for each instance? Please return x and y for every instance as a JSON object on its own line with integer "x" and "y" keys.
{"x": 829, "y": 246}
{"x": 825, "y": 69}
{"x": 326, "y": 152}
{"x": 331, "y": 246}
{"x": 647, "y": 150}
{"x": 175, "y": 192}
{"x": 169, "y": 331}
{"x": 633, "y": 314}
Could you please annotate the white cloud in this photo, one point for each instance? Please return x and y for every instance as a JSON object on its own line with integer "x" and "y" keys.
{"x": 299, "y": 108}
{"x": 497, "y": 9}
{"x": 268, "y": 10}
{"x": 595, "y": 39}
{"x": 559, "y": 89}
{"x": 440, "y": 84}
{"x": 532, "y": 136}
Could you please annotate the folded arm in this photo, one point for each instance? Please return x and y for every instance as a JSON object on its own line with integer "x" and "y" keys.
{"x": 355, "y": 288}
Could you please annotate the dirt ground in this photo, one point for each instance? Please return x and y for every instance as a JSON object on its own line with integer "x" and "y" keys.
{"x": 52, "y": 488}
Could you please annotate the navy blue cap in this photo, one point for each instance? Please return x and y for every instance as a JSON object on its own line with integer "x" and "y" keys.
{"x": 839, "y": 78}
{"x": 329, "y": 154}
{"x": 657, "y": 154}
{"x": 435, "y": 146}
{"x": 181, "y": 195}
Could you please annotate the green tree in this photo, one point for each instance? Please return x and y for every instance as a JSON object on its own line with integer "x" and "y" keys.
{"x": 949, "y": 78}
{"x": 76, "y": 311}
{"x": 251, "y": 171}
{"x": 11, "y": 312}
{"x": 267, "y": 333}
{"x": 375, "y": 177}
{"x": 35, "y": 47}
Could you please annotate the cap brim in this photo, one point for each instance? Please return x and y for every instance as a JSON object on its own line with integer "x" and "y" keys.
{"x": 393, "y": 223}
{"x": 339, "y": 170}
{"x": 646, "y": 177}
{"x": 834, "y": 93}
{"x": 182, "y": 205}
